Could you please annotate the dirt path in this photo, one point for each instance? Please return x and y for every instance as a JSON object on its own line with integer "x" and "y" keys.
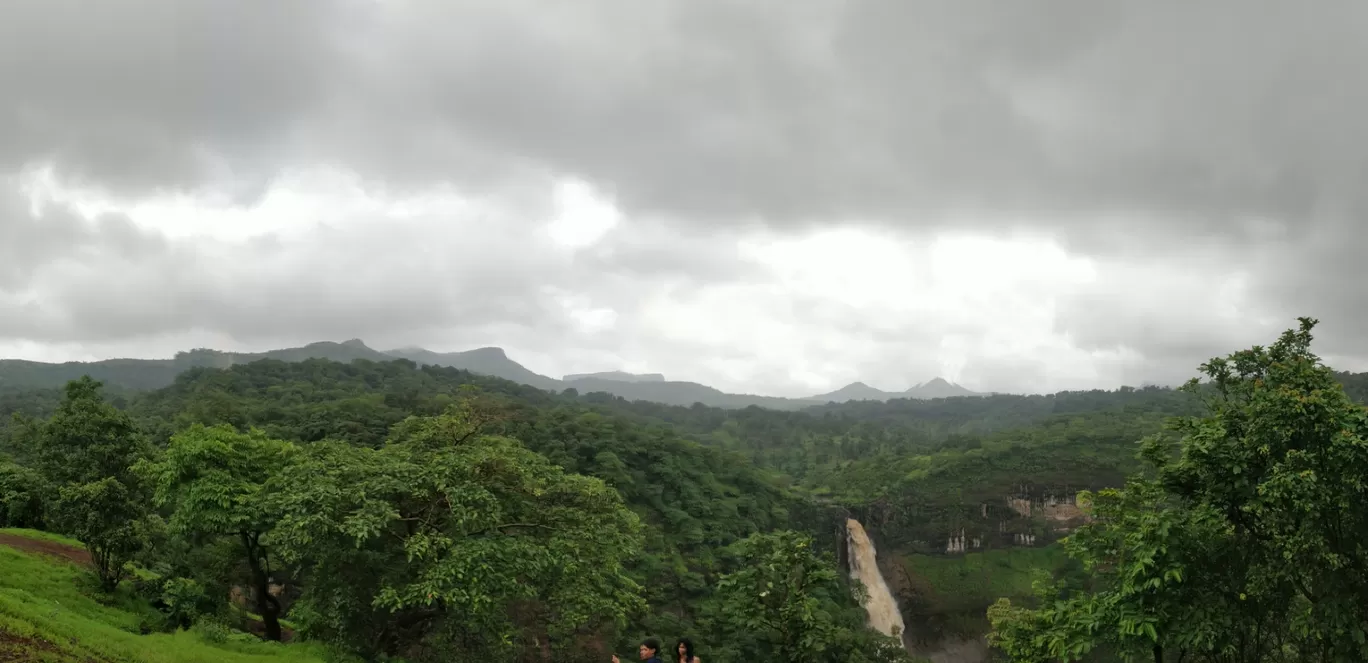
{"x": 52, "y": 548}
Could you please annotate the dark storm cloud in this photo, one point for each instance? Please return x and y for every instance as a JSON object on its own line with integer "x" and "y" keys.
{"x": 1204, "y": 117}
{"x": 1206, "y": 114}
{"x": 147, "y": 95}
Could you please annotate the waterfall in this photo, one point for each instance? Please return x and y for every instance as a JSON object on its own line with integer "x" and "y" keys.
{"x": 864, "y": 566}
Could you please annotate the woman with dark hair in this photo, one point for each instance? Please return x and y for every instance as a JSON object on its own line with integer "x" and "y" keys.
{"x": 684, "y": 651}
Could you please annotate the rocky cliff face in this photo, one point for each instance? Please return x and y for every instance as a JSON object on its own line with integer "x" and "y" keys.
{"x": 1023, "y": 516}
{"x": 1028, "y": 515}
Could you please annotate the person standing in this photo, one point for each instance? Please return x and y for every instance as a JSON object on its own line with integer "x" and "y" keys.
{"x": 649, "y": 651}
{"x": 684, "y": 652}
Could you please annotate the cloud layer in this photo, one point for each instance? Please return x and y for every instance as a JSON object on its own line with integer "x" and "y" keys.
{"x": 768, "y": 196}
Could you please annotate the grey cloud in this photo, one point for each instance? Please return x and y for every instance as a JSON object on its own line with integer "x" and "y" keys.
{"x": 447, "y": 280}
{"x": 29, "y": 241}
{"x": 1323, "y": 275}
{"x": 74, "y": 280}
{"x": 642, "y": 249}
{"x": 1201, "y": 116}
{"x": 1127, "y": 129}
{"x": 1021, "y": 375}
{"x": 1174, "y": 311}
{"x": 149, "y": 95}
{"x": 1204, "y": 115}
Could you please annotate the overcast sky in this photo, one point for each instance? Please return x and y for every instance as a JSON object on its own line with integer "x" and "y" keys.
{"x": 763, "y": 195}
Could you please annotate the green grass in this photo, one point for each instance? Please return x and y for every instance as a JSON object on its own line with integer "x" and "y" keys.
{"x": 39, "y": 535}
{"x": 976, "y": 580}
{"x": 953, "y": 593}
{"x": 50, "y": 611}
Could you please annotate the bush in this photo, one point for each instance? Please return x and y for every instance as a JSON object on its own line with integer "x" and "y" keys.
{"x": 184, "y": 601}
{"x": 212, "y": 631}
{"x": 21, "y": 496}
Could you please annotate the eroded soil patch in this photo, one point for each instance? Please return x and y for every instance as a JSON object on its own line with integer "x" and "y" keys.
{"x": 69, "y": 553}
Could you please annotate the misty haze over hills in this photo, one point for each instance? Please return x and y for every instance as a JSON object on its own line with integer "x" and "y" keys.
{"x": 492, "y": 361}
{"x": 617, "y": 376}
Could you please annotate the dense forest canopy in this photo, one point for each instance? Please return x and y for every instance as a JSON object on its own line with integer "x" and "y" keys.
{"x": 390, "y": 509}
{"x": 1244, "y": 543}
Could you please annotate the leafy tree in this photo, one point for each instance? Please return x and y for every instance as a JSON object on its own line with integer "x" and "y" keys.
{"x": 215, "y": 482}
{"x": 1247, "y": 544}
{"x": 22, "y": 490}
{"x": 1165, "y": 576}
{"x": 700, "y": 478}
{"x": 86, "y": 451}
{"x": 782, "y": 603}
{"x": 466, "y": 543}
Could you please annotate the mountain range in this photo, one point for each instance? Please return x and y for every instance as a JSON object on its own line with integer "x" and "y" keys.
{"x": 143, "y": 374}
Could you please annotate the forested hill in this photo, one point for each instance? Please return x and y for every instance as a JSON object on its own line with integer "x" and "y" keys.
{"x": 144, "y": 374}
{"x": 694, "y": 502}
{"x": 700, "y": 479}
{"x": 824, "y": 448}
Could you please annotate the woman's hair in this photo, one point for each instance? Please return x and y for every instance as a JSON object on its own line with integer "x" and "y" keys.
{"x": 687, "y": 644}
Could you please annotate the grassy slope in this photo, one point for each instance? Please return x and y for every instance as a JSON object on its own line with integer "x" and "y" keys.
{"x": 956, "y": 591}
{"x": 48, "y": 613}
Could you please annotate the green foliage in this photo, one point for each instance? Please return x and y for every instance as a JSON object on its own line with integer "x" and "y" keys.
{"x": 39, "y": 535}
{"x": 215, "y": 480}
{"x": 784, "y": 603}
{"x": 398, "y": 530}
{"x": 85, "y": 452}
{"x": 21, "y": 496}
{"x": 443, "y": 534}
{"x": 1246, "y": 545}
{"x": 185, "y": 601}
{"x": 102, "y": 515}
{"x": 948, "y": 595}
{"x": 50, "y": 612}
{"x": 692, "y": 500}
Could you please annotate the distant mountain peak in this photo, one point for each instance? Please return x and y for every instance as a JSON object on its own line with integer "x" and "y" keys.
{"x": 489, "y": 351}
{"x": 855, "y": 391}
{"x": 938, "y": 387}
{"x": 354, "y": 343}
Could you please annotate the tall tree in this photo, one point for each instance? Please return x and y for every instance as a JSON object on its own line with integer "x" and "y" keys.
{"x": 1246, "y": 543}
{"x": 215, "y": 481}
{"x": 86, "y": 451}
{"x": 783, "y": 603}
{"x": 457, "y": 540}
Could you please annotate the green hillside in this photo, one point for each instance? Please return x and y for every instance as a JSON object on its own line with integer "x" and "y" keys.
{"x": 51, "y": 611}
{"x": 700, "y": 477}
{"x": 366, "y": 480}
{"x": 146, "y": 374}
{"x": 698, "y": 507}
{"x": 149, "y": 374}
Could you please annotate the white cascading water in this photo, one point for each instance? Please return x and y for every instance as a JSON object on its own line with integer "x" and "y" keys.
{"x": 864, "y": 566}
